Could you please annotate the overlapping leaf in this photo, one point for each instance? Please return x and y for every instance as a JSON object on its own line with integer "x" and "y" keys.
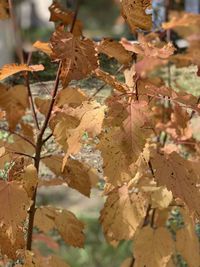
{"x": 78, "y": 56}
{"x": 4, "y": 9}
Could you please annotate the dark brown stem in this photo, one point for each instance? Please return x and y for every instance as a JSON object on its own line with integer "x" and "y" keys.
{"x": 132, "y": 262}
{"x": 153, "y": 218}
{"x": 19, "y": 48}
{"x": 47, "y": 138}
{"x": 39, "y": 144}
{"x": 24, "y": 154}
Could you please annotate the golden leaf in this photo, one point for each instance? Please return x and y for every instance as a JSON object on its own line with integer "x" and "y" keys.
{"x": 44, "y": 47}
{"x": 42, "y": 105}
{"x": 10, "y": 69}
{"x": 69, "y": 227}
{"x": 78, "y": 56}
{"x": 186, "y": 20}
{"x": 114, "y": 49}
{"x": 76, "y": 174}
{"x": 123, "y": 213}
{"x": 136, "y": 14}
{"x": 153, "y": 248}
{"x": 14, "y": 101}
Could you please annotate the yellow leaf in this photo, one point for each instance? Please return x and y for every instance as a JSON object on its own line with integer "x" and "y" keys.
{"x": 14, "y": 101}
{"x": 123, "y": 213}
{"x": 44, "y": 47}
{"x": 137, "y": 14}
{"x": 153, "y": 248}
{"x": 10, "y": 69}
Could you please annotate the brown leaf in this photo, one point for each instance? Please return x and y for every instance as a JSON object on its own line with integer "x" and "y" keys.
{"x": 111, "y": 80}
{"x": 65, "y": 16}
{"x": 114, "y": 49}
{"x": 14, "y": 101}
{"x": 78, "y": 56}
{"x": 153, "y": 248}
{"x": 4, "y": 10}
{"x": 186, "y": 20}
{"x": 123, "y": 213}
{"x": 44, "y": 47}
{"x": 15, "y": 202}
{"x": 136, "y": 14}
{"x": 179, "y": 176}
{"x": 70, "y": 96}
{"x": 76, "y": 174}
{"x": 42, "y": 105}
{"x": 69, "y": 227}
{"x": 10, "y": 69}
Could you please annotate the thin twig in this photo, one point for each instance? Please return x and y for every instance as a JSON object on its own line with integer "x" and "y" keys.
{"x": 24, "y": 154}
{"x": 18, "y": 134}
{"x": 47, "y": 138}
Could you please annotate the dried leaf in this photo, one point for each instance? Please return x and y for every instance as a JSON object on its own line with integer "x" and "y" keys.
{"x": 42, "y": 105}
{"x": 76, "y": 174}
{"x": 14, "y": 101}
{"x": 179, "y": 176}
{"x": 111, "y": 80}
{"x": 187, "y": 243}
{"x": 137, "y": 14}
{"x": 65, "y": 16}
{"x": 123, "y": 213}
{"x": 186, "y": 20}
{"x": 15, "y": 202}
{"x": 10, "y": 69}
{"x": 114, "y": 49}
{"x": 153, "y": 248}
{"x": 78, "y": 56}
{"x": 4, "y": 10}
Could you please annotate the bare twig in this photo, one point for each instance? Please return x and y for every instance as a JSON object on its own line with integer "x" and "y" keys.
{"x": 24, "y": 154}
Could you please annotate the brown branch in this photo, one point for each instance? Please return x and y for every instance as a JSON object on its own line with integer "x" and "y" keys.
{"x": 24, "y": 154}
{"x": 18, "y": 134}
{"x": 47, "y": 138}
{"x": 132, "y": 262}
{"x": 39, "y": 143}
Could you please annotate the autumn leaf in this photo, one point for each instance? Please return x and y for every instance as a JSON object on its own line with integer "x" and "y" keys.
{"x": 115, "y": 50}
{"x": 42, "y": 105}
{"x": 123, "y": 213}
{"x": 69, "y": 227}
{"x": 14, "y": 101}
{"x": 186, "y": 20}
{"x": 179, "y": 176}
{"x": 153, "y": 248}
{"x": 44, "y": 47}
{"x": 137, "y": 14}
{"x": 76, "y": 174}
{"x": 15, "y": 202}
{"x": 4, "y": 10}
{"x": 65, "y": 16}
{"x": 10, "y": 69}
{"x": 78, "y": 56}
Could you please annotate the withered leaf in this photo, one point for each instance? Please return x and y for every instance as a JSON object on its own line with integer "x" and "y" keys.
{"x": 78, "y": 56}
{"x": 14, "y": 101}
{"x": 69, "y": 227}
{"x": 179, "y": 176}
{"x": 15, "y": 202}
{"x": 137, "y": 14}
{"x": 4, "y": 10}
{"x": 115, "y": 50}
{"x": 44, "y": 47}
{"x": 123, "y": 213}
{"x": 76, "y": 174}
